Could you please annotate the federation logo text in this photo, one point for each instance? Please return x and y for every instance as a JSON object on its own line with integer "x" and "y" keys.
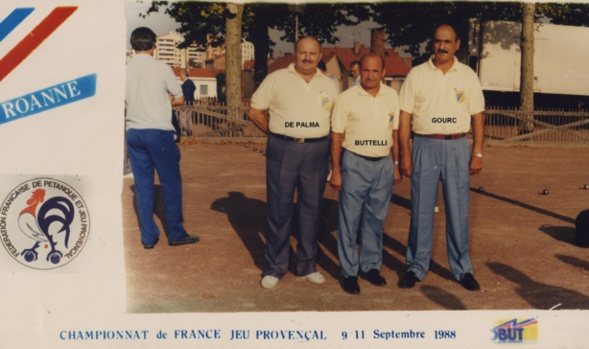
{"x": 44, "y": 223}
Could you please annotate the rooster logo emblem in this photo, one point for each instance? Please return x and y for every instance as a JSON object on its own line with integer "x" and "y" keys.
{"x": 42, "y": 221}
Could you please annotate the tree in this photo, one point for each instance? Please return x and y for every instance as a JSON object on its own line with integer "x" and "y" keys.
{"x": 404, "y": 24}
{"x": 233, "y": 63}
{"x": 204, "y": 23}
{"x": 527, "y": 67}
{"x": 410, "y": 25}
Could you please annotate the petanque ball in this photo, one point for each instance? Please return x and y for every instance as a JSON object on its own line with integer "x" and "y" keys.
{"x": 247, "y": 145}
{"x": 481, "y": 189}
{"x": 261, "y": 151}
{"x": 255, "y": 149}
{"x": 586, "y": 186}
{"x": 545, "y": 192}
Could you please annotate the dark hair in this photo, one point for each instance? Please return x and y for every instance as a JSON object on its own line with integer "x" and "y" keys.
{"x": 321, "y": 65}
{"x": 355, "y": 63}
{"x": 142, "y": 39}
{"x": 448, "y": 24}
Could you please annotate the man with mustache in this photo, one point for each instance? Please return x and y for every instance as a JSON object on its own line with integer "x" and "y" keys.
{"x": 439, "y": 100}
{"x": 364, "y": 134}
{"x": 299, "y": 100}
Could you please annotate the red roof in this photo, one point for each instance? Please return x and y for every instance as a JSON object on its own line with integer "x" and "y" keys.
{"x": 198, "y": 72}
{"x": 394, "y": 65}
{"x": 280, "y": 62}
{"x": 249, "y": 65}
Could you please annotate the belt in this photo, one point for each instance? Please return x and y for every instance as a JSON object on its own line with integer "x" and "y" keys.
{"x": 446, "y": 137}
{"x": 298, "y": 140}
{"x": 369, "y": 158}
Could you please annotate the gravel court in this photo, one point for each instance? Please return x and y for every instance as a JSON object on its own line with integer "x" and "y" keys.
{"x": 521, "y": 241}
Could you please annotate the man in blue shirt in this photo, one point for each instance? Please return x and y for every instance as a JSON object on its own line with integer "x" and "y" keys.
{"x": 151, "y": 91}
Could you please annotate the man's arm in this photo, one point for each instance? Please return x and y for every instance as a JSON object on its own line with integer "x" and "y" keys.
{"x": 404, "y": 143}
{"x": 335, "y": 182}
{"x": 397, "y": 178}
{"x": 177, "y": 100}
{"x": 478, "y": 137}
{"x": 258, "y": 117}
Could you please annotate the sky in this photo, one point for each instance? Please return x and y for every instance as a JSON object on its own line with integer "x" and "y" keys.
{"x": 161, "y": 23}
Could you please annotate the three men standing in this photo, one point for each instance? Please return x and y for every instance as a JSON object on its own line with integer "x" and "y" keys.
{"x": 439, "y": 99}
{"x": 299, "y": 101}
{"x": 364, "y": 131}
{"x": 438, "y": 102}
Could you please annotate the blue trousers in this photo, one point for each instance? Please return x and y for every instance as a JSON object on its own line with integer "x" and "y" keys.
{"x": 153, "y": 150}
{"x": 448, "y": 161}
{"x": 363, "y": 206}
{"x": 291, "y": 166}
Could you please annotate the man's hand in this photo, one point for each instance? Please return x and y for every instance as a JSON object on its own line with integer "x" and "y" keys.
{"x": 397, "y": 178}
{"x": 406, "y": 166}
{"x": 476, "y": 165}
{"x": 335, "y": 182}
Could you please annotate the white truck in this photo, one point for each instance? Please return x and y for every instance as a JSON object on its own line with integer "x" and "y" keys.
{"x": 560, "y": 54}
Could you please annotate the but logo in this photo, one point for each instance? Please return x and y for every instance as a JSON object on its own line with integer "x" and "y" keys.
{"x": 513, "y": 331}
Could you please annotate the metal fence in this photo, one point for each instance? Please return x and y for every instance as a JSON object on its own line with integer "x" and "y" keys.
{"x": 502, "y": 125}
{"x": 511, "y": 125}
{"x": 217, "y": 122}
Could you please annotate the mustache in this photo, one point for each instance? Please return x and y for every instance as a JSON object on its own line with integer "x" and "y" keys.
{"x": 442, "y": 51}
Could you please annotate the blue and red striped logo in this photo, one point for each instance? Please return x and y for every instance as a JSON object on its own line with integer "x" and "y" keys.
{"x": 35, "y": 38}
{"x": 50, "y": 97}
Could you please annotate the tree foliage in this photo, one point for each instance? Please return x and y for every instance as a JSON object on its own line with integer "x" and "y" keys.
{"x": 410, "y": 24}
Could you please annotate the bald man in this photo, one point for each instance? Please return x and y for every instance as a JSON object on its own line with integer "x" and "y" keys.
{"x": 298, "y": 100}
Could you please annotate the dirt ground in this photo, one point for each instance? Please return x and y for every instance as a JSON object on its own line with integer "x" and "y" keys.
{"x": 522, "y": 242}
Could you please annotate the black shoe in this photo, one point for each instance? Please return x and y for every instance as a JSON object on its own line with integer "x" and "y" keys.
{"x": 350, "y": 284}
{"x": 188, "y": 239}
{"x": 470, "y": 283}
{"x": 408, "y": 280}
{"x": 373, "y": 276}
{"x": 150, "y": 246}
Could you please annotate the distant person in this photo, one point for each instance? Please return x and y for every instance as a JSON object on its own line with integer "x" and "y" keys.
{"x": 151, "y": 91}
{"x": 355, "y": 71}
{"x": 188, "y": 87}
{"x": 439, "y": 100}
{"x": 363, "y": 138}
{"x": 299, "y": 101}
{"x": 323, "y": 69}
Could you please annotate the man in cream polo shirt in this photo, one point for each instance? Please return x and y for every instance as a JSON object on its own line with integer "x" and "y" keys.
{"x": 439, "y": 100}
{"x": 299, "y": 100}
{"x": 364, "y": 131}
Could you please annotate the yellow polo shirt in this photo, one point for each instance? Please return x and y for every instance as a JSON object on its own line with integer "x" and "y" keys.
{"x": 367, "y": 122}
{"x": 441, "y": 103}
{"x": 297, "y": 108}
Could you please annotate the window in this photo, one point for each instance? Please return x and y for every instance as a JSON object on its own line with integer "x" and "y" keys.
{"x": 204, "y": 90}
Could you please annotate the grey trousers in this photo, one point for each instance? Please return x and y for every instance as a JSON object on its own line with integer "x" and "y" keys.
{"x": 302, "y": 167}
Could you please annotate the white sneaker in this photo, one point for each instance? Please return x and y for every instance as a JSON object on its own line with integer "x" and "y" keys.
{"x": 316, "y": 278}
{"x": 269, "y": 281}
